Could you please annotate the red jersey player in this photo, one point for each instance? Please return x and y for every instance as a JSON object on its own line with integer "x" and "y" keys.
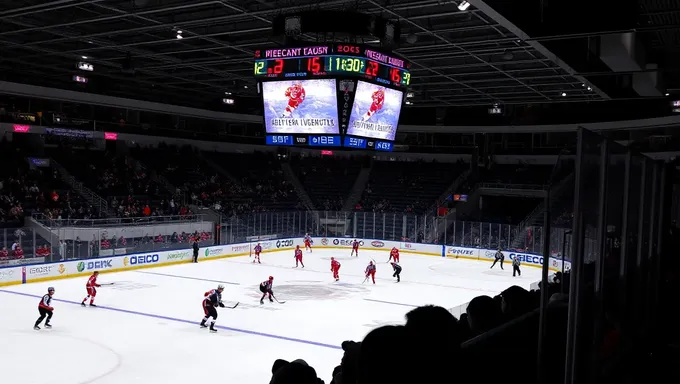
{"x": 394, "y": 254}
{"x": 298, "y": 256}
{"x": 296, "y": 95}
{"x": 308, "y": 242}
{"x": 378, "y": 98}
{"x": 91, "y": 289}
{"x": 370, "y": 271}
{"x": 45, "y": 309}
{"x": 355, "y": 248}
{"x": 257, "y": 250}
{"x": 212, "y": 299}
{"x": 335, "y": 268}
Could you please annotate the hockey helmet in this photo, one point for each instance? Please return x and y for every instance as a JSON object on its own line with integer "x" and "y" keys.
{"x": 50, "y": 289}
{"x": 271, "y": 277}
{"x": 220, "y": 287}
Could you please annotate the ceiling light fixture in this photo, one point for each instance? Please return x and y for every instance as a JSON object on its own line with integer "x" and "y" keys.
{"x": 564, "y": 94}
{"x": 463, "y": 6}
{"x": 179, "y": 37}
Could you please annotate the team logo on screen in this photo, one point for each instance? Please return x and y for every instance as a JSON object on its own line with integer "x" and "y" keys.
{"x": 301, "y": 106}
{"x": 375, "y": 112}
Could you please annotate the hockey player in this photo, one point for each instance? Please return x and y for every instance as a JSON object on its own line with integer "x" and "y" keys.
{"x": 91, "y": 289}
{"x": 394, "y": 254}
{"x": 266, "y": 289}
{"x": 212, "y": 299}
{"x": 195, "y": 248}
{"x": 308, "y": 243}
{"x": 335, "y": 268}
{"x": 397, "y": 271}
{"x": 370, "y": 271}
{"x": 378, "y": 98}
{"x": 515, "y": 266}
{"x": 45, "y": 310}
{"x": 355, "y": 248}
{"x": 296, "y": 95}
{"x": 257, "y": 250}
{"x": 499, "y": 257}
{"x": 298, "y": 256}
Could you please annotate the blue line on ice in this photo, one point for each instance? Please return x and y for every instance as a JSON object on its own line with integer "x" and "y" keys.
{"x": 193, "y": 323}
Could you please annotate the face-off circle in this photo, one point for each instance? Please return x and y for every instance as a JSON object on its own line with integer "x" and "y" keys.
{"x": 316, "y": 292}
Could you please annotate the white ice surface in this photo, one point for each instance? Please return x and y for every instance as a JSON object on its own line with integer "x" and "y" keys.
{"x": 146, "y": 328}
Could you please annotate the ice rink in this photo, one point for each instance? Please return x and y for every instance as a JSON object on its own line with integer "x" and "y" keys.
{"x": 145, "y": 329}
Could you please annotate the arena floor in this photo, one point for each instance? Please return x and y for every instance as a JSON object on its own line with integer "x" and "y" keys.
{"x": 146, "y": 327}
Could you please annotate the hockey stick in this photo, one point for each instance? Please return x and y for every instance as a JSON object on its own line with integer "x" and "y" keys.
{"x": 107, "y": 283}
{"x": 235, "y": 305}
{"x": 277, "y": 300}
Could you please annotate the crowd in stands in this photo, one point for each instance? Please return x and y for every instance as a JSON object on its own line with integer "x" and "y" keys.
{"x": 409, "y": 187}
{"x": 328, "y": 181}
{"x": 492, "y": 330}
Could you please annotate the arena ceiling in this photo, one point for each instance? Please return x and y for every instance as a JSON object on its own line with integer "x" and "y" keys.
{"x": 460, "y": 58}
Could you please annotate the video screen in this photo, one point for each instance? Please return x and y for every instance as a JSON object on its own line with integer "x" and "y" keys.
{"x": 375, "y": 112}
{"x": 301, "y": 107}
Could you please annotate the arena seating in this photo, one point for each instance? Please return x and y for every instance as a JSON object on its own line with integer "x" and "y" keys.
{"x": 260, "y": 184}
{"x": 327, "y": 181}
{"x": 517, "y": 174}
{"x": 410, "y": 187}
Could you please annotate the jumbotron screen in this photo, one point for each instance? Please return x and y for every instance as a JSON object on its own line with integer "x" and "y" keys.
{"x": 312, "y": 97}
{"x": 375, "y": 112}
{"x": 301, "y": 107}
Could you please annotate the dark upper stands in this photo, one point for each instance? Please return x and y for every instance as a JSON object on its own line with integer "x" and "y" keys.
{"x": 410, "y": 187}
{"x": 259, "y": 185}
{"x": 327, "y": 181}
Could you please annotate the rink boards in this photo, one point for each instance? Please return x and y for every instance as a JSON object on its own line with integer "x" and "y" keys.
{"x": 65, "y": 269}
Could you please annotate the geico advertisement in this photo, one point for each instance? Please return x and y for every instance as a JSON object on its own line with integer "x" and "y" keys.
{"x": 140, "y": 260}
{"x": 526, "y": 258}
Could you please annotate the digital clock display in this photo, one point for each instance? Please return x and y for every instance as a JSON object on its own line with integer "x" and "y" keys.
{"x": 326, "y": 60}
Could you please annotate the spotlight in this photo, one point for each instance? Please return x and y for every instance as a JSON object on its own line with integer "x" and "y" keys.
{"x": 564, "y": 94}
{"x": 463, "y": 6}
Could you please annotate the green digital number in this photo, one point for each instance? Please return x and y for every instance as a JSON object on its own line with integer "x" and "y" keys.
{"x": 259, "y": 67}
{"x": 356, "y": 65}
{"x": 407, "y": 78}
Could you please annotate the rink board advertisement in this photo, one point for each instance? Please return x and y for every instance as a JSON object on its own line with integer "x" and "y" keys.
{"x": 11, "y": 275}
{"x": 555, "y": 263}
{"x": 301, "y": 107}
{"x": 375, "y": 112}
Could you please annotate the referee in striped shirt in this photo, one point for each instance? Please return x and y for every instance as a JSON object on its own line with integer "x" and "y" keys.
{"x": 515, "y": 266}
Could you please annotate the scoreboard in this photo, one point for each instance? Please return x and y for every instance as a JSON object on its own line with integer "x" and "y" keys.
{"x": 332, "y": 59}
{"x": 331, "y": 95}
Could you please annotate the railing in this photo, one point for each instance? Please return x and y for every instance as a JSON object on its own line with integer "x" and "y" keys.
{"x": 53, "y": 246}
{"x": 389, "y": 226}
{"x": 94, "y": 199}
{"x": 531, "y": 187}
{"x": 115, "y": 221}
